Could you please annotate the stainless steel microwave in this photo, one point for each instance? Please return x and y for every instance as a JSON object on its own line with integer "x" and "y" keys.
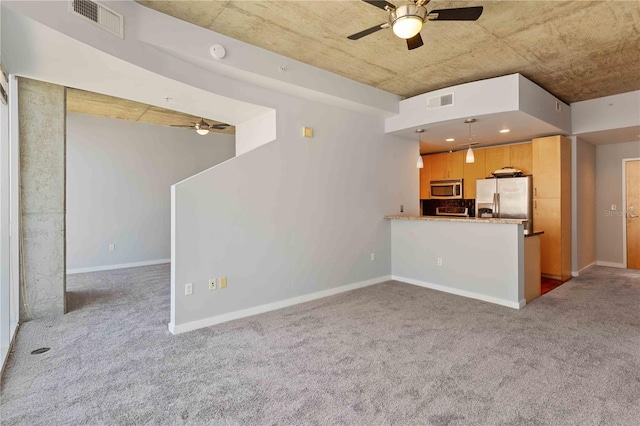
{"x": 446, "y": 189}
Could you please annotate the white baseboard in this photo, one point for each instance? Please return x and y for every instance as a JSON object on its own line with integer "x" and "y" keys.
{"x": 207, "y": 322}
{"x": 465, "y": 293}
{"x": 610, "y": 264}
{"x": 577, "y": 273}
{"x": 120, "y": 266}
{"x": 4, "y": 350}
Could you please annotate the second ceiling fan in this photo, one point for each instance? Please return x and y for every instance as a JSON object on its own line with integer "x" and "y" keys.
{"x": 406, "y": 20}
{"x": 202, "y": 127}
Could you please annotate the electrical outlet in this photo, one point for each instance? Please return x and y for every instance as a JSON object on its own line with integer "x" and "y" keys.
{"x": 188, "y": 289}
{"x": 373, "y": 257}
{"x": 223, "y": 282}
{"x": 439, "y": 261}
{"x": 613, "y": 207}
{"x": 212, "y": 284}
{"x": 112, "y": 247}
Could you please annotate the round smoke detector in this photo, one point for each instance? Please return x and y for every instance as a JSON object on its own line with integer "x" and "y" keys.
{"x": 217, "y": 51}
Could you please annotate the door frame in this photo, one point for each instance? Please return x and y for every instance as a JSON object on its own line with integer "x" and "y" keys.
{"x": 624, "y": 204}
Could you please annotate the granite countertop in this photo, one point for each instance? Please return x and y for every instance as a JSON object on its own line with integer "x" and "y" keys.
{"x": 457, "y": 219}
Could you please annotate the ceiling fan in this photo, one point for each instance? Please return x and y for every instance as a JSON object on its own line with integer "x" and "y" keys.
{"x": 406, "y": 20}
{"x": 202, "y": 127}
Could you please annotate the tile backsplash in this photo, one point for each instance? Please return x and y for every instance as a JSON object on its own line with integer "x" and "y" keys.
{"x": 429, "y": 206}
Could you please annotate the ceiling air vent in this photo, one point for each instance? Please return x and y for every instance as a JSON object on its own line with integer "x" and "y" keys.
{"x": 440, "y": 101}
{"x": 99, "y": 15}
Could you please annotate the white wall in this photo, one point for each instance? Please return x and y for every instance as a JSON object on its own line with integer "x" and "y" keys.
{"x": 609, "y": 112}
{"x": 119, "y": 175}
{"x": 609, "y": 175}
{"x": 584, "y": 205}
{"x": 292, "y": 217}
{"x": 480, "y": 260}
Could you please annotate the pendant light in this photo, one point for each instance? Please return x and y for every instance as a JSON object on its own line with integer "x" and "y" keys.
{"x": 420, "y": 163}
{"x": 470, "y": 157}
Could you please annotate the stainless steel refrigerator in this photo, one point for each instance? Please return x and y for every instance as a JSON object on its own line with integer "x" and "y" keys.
{"x": 507, "y": 198}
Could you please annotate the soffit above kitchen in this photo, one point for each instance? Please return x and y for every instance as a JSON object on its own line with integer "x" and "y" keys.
{"x": 576, "y": 50}
{"x": 509, "y": 103}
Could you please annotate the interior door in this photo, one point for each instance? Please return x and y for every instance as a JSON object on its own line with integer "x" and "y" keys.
{"x": 632, "y": 183}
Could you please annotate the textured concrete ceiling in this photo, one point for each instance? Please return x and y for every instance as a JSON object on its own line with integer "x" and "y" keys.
{"x": 577, "y": 50}
{"x": 90, "y": 103}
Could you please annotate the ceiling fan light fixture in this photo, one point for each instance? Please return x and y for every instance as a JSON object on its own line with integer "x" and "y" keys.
{"x": 407, "y": 20}
{"x": 202, "y": 127}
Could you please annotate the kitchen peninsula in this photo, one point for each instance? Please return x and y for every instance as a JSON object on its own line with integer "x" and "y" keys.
{"x": 489, "y": 259}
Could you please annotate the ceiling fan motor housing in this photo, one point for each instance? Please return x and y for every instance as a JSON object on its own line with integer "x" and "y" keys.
{"x": 410, "y": 15}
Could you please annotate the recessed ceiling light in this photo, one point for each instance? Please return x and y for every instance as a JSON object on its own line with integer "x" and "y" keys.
{"x": 450, "y": 139}
{"x": 505, "y": 131}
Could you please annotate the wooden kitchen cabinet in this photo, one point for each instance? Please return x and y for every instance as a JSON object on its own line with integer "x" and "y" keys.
{"x": 496, "y": 158}
{"x": 438, "y": 166}
{"x": 447, "y": 165}
{"x": 546, "y": 217}
{"x": 551, "y": 167}
{"x": 474, "y": 171}
{"x": 520, "y": 157}
{"x": 455, "y": 165}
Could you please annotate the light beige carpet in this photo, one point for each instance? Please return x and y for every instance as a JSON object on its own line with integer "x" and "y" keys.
{"x": 386, "y": 354}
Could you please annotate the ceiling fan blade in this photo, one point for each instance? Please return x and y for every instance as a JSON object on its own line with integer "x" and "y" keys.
{"x": 458, "y": 14}
{"x": 414, "y": 42}
{"x": 379, "y": 4}
{"x": 220, "y": 126}
{"x": 181, "y": 125}
{"x": 368, "y": 31}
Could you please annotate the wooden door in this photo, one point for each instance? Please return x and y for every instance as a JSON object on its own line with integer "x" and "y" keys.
{"x": 520, "y": 157}
{"x": 496, "y": 158}
{"x": 455, "y": 163}
{"x": 472, "y": 172}
{"x": 632, "y": 183}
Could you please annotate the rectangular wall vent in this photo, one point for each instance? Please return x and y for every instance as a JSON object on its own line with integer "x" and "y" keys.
{"x": 99, "y": 15}
{"x": 440, "y": 101}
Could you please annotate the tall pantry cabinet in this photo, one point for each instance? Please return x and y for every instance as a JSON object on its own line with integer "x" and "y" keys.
{"x": 551, "y": 165}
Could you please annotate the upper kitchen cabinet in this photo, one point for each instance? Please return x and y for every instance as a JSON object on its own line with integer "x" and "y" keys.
{"x": 521, "y": 157}
{"x": 518, "y": 156}
{"x": 551, "y": 164}
{"x": 438, "y": 166}
{"x": 455, "y": 165}
{"x": 496, "y": 158}
{"x": 474, "y": 171}
{"x": 447, "y": 165}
